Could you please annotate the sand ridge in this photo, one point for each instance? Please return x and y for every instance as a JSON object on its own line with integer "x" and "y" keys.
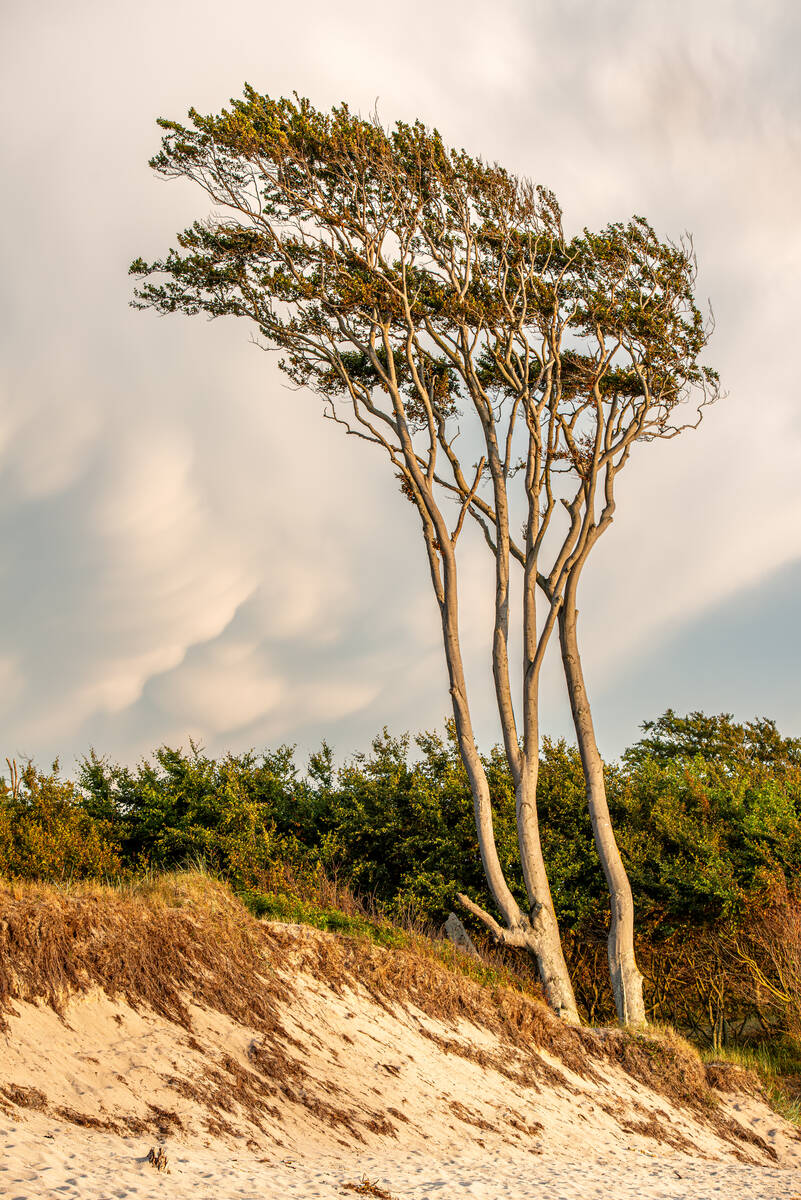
{"x": 343, "y": 1084}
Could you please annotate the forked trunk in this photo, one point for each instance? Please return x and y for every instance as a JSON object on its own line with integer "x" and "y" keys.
{"x": 626, "y": 978}
{"x": 536, "y": 932}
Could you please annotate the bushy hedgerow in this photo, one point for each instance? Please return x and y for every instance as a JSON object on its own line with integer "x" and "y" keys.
{"x": 707, "y": 813}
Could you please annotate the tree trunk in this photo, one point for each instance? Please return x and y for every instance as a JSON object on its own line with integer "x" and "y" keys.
{"x": 625, "y": 975}
{"x": 544, "y": 944}
{"x": 544, "y": 928}
{"x": 537, "y": 933}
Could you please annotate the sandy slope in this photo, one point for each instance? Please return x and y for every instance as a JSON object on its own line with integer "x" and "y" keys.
{"x": 346, "y": 1086}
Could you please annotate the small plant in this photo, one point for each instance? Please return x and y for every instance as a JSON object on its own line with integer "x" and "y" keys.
{"x": 777, "y": 1065}
{"x": 368, "y": 1187}
{"x": 158, "y": 1159}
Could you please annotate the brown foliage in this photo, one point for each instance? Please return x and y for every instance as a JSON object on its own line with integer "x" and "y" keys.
{"x": 158, "y": 1158}
{"x": 368, "y": 1187}
{"x": 768, "y": 946}
{"x": 721, "y": 983}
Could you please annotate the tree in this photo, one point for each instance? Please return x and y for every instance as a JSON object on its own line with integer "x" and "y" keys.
{"x": 46, "y": 832}
{"x": 423, "y": 293}
{"x": 403, "y": 832}
{"x": 182, "y": 806}
{"x": 643, "y": 334}
{"x": 717, "y": 738}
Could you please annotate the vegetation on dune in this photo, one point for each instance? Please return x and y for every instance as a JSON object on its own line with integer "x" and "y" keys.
{"x": 161, "y": 940}
{"x": 708, "y": 812}
{"x": 776, "y": 1065}
{"x": 48, "y": 831}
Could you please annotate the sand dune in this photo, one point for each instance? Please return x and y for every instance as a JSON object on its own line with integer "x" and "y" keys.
{"x": 347, "y": 1076}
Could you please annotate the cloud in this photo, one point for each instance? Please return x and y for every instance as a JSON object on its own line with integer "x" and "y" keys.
{"x": 188, "y": 547}
{"x": 219, "y": 689}
{"x": 737, "y": 656}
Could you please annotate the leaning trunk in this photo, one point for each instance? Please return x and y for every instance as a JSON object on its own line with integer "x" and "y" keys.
{"x": 546, "y": 943}
{"x": 537, "y": 933}
{"x": 626, "y": 978}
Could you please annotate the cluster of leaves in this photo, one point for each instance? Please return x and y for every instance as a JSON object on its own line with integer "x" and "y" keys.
{"x": 381, "y": 261}
{"x": 234, "y": 814}
{"x": 47, "y": 831}
{"x": 710, "y": 813}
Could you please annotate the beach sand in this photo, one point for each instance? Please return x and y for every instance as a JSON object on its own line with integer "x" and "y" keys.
{"x": 48, "y": 1159}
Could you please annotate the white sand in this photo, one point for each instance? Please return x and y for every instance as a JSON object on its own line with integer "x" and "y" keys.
{"x": 42, "y": 1159}
{"x": 432, "y": 1123}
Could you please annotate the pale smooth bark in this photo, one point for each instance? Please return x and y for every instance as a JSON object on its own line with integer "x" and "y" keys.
{"x": 599, "y": 471}
{"x": 624, "y": 974}
{"x": 537, "y": 931}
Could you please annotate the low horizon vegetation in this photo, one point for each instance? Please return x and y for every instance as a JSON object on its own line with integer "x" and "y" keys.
{"x": 708, "y": 813}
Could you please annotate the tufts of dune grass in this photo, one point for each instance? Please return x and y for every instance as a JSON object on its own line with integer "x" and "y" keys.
{"x": 157, "y": 941}
{"x": 775, "y": 1065}
{"x": 354, "y": 920}
{"x": 172, "y": 940}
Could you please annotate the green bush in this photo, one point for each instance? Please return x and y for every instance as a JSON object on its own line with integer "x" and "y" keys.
{"x": 47, "y": 834}
{"x": 707, "y": 813}
{"x": 184, "y": 806}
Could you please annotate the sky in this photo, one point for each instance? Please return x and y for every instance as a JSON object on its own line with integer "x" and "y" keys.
{"x": 189, "y": 550}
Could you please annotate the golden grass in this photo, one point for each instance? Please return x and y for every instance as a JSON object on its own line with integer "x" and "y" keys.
{"x": 773, "y": 1068}
{"x": 154, "y": 943}
{"x": 162, "y": 941}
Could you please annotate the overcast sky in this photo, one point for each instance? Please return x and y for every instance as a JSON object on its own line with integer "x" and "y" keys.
{"x": 188, "y": 549}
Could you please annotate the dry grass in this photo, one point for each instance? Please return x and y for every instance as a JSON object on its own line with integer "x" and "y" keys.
{"x": 151, "y": 944}
{"x": 329, "y": 906}
{"x": 155, "y": 943}
{"x": 25, "y": 1097}
{"x": 369, "y": 1187}
{"x": 669, "y": 1065}
{"x": 772, "y": 1069}
{"x": 415, "y": 974}
{"x": 158, "y": 1159}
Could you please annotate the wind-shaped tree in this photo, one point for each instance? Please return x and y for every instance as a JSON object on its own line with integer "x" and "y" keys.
{"x": 423, "y": 293}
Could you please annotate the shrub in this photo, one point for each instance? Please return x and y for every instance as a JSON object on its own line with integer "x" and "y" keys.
{"x": 46, "y": 833}
{"x": 185, "y": 807}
